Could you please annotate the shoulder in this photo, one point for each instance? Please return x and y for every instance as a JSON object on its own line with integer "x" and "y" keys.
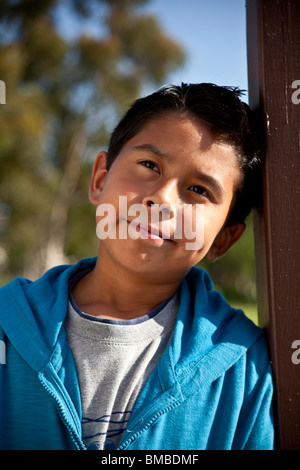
{"x": 24, "y": 298}
{"x": 206, "y": 303}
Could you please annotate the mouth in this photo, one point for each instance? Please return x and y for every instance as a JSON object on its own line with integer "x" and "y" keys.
{"x": 150, "y": 233}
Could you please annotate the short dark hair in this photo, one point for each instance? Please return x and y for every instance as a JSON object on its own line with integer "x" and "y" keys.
{"x": 221, "y": 110}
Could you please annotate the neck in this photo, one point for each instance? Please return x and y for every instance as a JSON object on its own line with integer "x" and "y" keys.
{"x": 119, "y": 293}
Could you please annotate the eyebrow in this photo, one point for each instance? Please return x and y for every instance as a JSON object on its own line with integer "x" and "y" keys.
{"x": 213, "y": 183}
{"x": 152, "y": 149}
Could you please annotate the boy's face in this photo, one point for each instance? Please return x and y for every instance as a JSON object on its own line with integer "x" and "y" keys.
{"x": 176, "y": 162}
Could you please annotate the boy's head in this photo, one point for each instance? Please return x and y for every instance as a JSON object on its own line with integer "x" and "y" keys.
{"x": 187, "y": 148}
{"x": 221, "y": 110}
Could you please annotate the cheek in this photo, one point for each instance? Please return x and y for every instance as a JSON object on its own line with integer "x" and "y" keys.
{"x": 191, "y": 223}
{"x": 124, "y": 184}
{"x": 200, "y": 226}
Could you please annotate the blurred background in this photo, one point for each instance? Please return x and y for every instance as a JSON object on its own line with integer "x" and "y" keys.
{"x": 71, "y": 68}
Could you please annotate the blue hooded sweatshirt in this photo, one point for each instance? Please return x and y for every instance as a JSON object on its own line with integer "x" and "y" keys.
{"x": 212, "y": 388}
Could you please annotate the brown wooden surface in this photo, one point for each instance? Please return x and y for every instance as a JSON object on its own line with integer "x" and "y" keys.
{"x": 273, "y": 42}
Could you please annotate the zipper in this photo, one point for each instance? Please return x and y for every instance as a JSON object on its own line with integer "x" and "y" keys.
{"x": 157, "y": 415}
{"x": 78, "y": 443}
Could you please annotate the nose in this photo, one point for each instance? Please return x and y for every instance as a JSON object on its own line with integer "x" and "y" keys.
{"x": 165, "y": 197}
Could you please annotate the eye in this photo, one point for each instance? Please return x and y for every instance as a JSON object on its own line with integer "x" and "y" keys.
{"x": 150, "y": 164}
{"x": 200, "y": 190}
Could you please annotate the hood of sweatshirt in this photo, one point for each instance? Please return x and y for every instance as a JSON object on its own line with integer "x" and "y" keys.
{"x": 32, "y": 316}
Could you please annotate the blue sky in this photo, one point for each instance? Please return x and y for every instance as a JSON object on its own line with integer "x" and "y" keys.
{"x": 213, "y": 34}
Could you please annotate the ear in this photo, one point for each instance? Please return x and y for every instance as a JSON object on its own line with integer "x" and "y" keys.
{"x": 224, "y": 240}
{"x": 98, "y": 178}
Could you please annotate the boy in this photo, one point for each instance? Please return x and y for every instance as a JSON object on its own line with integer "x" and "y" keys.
{"x": 134, "y": 349}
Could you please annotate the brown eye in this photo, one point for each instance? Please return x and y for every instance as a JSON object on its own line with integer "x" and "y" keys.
{"x": 200, "y": 190}
{"x": 149, "y": 164}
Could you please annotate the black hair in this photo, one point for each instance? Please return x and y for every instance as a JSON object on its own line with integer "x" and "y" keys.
{"x": 222, "y": 111}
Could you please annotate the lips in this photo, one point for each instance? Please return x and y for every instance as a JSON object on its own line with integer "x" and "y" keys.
{"x": 149, "y": 232}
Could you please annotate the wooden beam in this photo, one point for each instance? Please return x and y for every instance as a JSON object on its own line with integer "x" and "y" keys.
{"x": 273, "y": 43}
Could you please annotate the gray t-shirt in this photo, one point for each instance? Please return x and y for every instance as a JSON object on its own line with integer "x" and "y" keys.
{"x": 114, "y": 359}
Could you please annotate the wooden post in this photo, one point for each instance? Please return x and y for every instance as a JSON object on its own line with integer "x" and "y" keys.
{"x": 273, "y": 42}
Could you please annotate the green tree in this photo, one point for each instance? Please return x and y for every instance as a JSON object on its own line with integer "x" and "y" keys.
{"x": 64, "y": 93}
